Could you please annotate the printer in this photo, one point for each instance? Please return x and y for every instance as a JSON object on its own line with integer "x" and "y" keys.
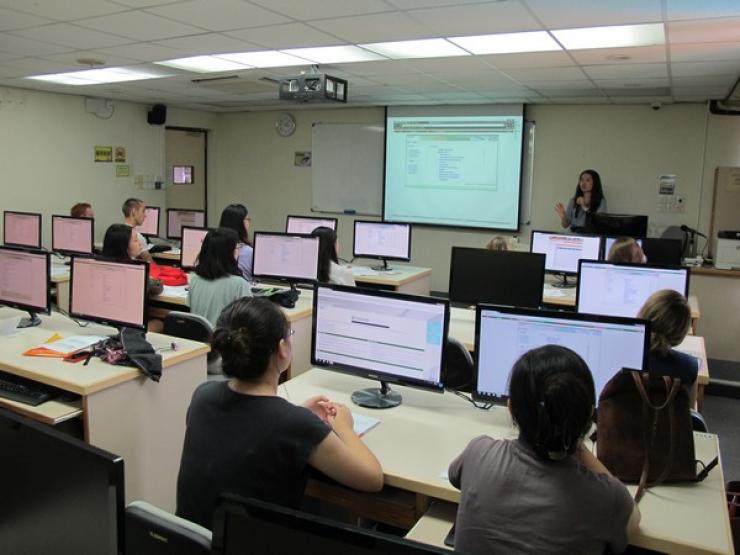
{"x": 727, "y": 256}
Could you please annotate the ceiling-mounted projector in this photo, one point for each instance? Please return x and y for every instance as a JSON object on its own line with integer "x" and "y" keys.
{"x": 313, "y": 87}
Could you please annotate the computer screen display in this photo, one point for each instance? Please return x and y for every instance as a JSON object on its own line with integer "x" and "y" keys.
{"x": 306, "y": 224}
{"x": 285, "y": 256}
{"x": 72, "y": 235}
{"x": 177, "y": 218}
{"x": 22, "y": 229}
{"x": 382, "y": 240}
{"x": 150, "y": 227}
{"x": 502, "y": 335}
{"x": 498, "y": 277}
{"x": 609, "y": 242}
{"x": 380, "y": 334}
{"x": 112, "y": 293}
{"x": 622, "y": 289}
{"x": 24, "y": 280}
{"x": 60, "y": 494}
{"x": 562, "y": 251}
{"x": 663, "y": 250}
{"x": 192, "y": 239}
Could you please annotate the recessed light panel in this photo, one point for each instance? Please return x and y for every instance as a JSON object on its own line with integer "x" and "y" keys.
{"x": 335, "y": 54}
{"x": 508, "y": 43}
{"x": 650, "y": 34}
{"x": 427, "y": 48}
{"x": 203, "y": 64}
{"x": 267, "y": 58}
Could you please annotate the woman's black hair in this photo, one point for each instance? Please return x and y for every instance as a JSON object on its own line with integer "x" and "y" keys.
{"x": 597, "y": 193}
{"x": 115, "y": 243}
{"x": 327, "y": 250}
{"x": 216, "y": 258}
{"x": 551, "y": 394}
{"x": 232, "y": 217}
{"x": 247, "y": 333}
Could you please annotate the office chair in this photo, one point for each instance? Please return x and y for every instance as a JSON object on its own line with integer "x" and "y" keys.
{"x": 193, "y": 326}
{"x": 458, "y": 371}
{"x": 675, "y": 232}
{"x": 698, "y": 424}
{"x": 152, "y": 531}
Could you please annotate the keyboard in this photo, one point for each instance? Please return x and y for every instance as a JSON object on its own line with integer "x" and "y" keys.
{"x": 22, "y": 390}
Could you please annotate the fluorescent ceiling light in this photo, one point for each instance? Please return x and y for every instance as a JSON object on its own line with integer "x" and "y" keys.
{"x": 97, "y": 76}
{"x": 334, "y": 54}
{"x": 62, "y": 79}
{"x": 427, "y": 48}
{"x": 649, "y": 34}
{"x": 267, "y": 58}
{"x": 203, "y": 64}
{"x": 507, "y": 43}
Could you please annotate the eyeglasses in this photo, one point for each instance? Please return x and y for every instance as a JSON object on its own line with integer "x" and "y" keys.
{"x": 291, "y": 332}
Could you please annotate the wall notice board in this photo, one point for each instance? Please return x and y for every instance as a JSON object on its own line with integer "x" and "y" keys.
{"x": 347, "y": 168}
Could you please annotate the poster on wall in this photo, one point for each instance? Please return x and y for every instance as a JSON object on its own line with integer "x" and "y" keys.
{"x": 120, "y": 154}
{"x": 103, "y": 153}
{"x": 122, "y": 170}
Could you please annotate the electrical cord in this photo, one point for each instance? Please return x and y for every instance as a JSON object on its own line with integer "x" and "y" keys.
{"x": 75, "y": 320}
{"x": 476, "y": 404}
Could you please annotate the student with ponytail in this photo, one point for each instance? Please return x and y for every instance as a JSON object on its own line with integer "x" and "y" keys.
{"x": 543, "y": 492}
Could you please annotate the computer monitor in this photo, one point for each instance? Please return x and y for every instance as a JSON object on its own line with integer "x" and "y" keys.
{"x": 25, "y": 282}
{"x": 111, "y": 293}
{"x": 498, "y": 277}
{"x": 286, "y": 257}
{"x": 382, "y": 240}
{"x": 192, "y": 239}
{"x": 563, "y": 251}
{"x": 619, "y": 225}
{"x": 306, "y": 224}
{"x": 621, "y": 289}
{"x": 663, "y": 251}
{"x": 22, "y": 229}
{"x": 503, "y": 334}
{"x": 609, "y": 242}
{"x": 251, "y": 526}
{"x": 178, "y": 217}
{"x": 71, "y": 235}
{"x": 150, "y": 227}
{"x": 381, "y": 335}
{"x": 60, "y": 494}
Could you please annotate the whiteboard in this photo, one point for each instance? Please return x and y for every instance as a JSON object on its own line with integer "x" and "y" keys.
{"x": 347, "y": 168}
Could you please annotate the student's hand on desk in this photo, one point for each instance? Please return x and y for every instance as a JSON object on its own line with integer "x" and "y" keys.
{"x": 342, "y": 420}
{"x": 322, "y": 407}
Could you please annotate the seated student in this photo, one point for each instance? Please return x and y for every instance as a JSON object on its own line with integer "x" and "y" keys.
{"x": 82, "y": 210}
{"x": 626, "y": 249}
{"x": 134, "y": 212}
{"x": 670, "y": 319}
{"x": 120, "y": 244}
{"x": 215, "y": 280}
{"x": 330, "y": 271}
{"x": 235, "y": 217}
{"x": 498, "y": 243}
{"x": 242, "y": 438}
{"x": 543, "y": 492}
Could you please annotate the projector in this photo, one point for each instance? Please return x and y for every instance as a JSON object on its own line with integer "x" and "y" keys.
{"x": 313, "y": 87}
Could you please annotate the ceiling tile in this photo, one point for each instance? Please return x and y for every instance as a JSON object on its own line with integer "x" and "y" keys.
{"x": 627, "y": 71}
{"x": 708, "y": 91}
{"x": 209, "y": 43}
{"x": 570, "y": 93}
{"x": 704, "y": 30}
{"x": 140, "y": 26}
{"x": 459, "y": 96}
{"x": 376, "y": 68}
{"x": 476, "y": 19}
{"x": 324, "y": 9}
{"x": 636, "y": 55}
{"x": 545, "y": 74}
{"x": 416, "y": 4}
{"x": 63, "y": 10}
{"x": 401, "y": 79}
{"x": 219, "y": 15}
{"x": 527, "y": 59}
{"x": 703, "y": 80}
{"x": 10, "y": 44}
{"x": 630, "y": 83}
{"x": 469, "y": 65}
{"x": 695, "y": 9}
{"x": 33, "y": 66}
{"x": 290, "y": 35}
{"x": 109, "y": 59}
{"x": 72, "y": 36}
{"x": 143, "y": 52}
{"x": 718, "y": 51}
{"x": 575, "y": 84}
{"x": 11, "y": 20}
{"x": 594, "y": 13}
{"x": 143, "y": 3}
{"x": 692, "y": 69}
{"x": 374, "y": 28}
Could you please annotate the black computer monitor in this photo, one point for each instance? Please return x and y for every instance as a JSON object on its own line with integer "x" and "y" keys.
{"x": 503, "y": 334}
{"x": 498, "y": 277}
{"x": 150, "y": 227}
{"x": 286, "y": 257}
{"x": 619, "y": 225}
{"x": 382, "y": 240}
{"x": 25, "y": 276}
{"x": 621, "y": 289}
{"x": 381, "y": 335}
{"x": 663, "y": 251}
{"x": 22, "y": 229}
{"x": 70, "y": 235}
{"x": 306, "y": 224}
{"x": 251, "y": 526}
{"x": 563, "y": 251}
{"x": 179, "y": 217}
{"x": 108, "y": 292}
{"x": 60, "y": 494}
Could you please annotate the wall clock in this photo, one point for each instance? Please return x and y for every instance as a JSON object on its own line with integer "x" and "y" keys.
{"x": 285, "y": 124}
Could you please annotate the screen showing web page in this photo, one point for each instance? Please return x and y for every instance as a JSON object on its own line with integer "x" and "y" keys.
{"x": 72, "y": 234}
{"x": 381, "y": 239}
{"x": 286, "y": 256}
{"x": 176, "y": 219}
{"x": 306, "y": 225}
{"x": 192, "y": 239}
{"x": 23, "y": 278}
{"x": 22, "y": 229}
{"x": 562, "y": 252}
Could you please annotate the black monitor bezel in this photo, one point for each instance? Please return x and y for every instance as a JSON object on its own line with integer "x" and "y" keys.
{"x": 30, "y": 308}
{"x": 283, "y": 278}
{"x": 375, "y": 374}
{"x": 289, "y": 216}
{"x": 555, "y": 314}
{"x": 21, "y": 245}
{"x": 564, "y": 272}
{"x": 159, "y": 213}
{"x": 167, "y": 224}
{"x": 67, "y": 251}
{"x": 182, "y": 242}
{"x": 356, "y": 254}
{"x": 100, "y": 319}
{"x": 630, "y": 265}
{"x": 593, "y": 217}
{"x": 647, "y": 241}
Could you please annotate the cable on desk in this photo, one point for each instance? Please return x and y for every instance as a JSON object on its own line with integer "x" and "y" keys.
{"x": 75, "y": 320}
{"x": 482, "y": 406}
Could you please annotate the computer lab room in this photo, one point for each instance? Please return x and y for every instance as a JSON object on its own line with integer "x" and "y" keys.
{"x": 378, "y": 276}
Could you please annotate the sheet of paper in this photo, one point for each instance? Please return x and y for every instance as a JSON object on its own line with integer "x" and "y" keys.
{"x": 178, "y": 291}
{"x": 551, "y": 292}
{"x": 363, "y": 424}
{"x": 9, "y": 326}
{"x": 59, "y": 270}
{"x": 364, "y": 271}
{"x": 72, "y": 344}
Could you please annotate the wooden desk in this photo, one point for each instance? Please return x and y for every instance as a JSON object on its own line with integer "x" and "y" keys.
{"x": 122, "y": 411}
{"x": 404, "y": 279}
{"x": 416, "y": 441}
{"x": 172, "y": 255}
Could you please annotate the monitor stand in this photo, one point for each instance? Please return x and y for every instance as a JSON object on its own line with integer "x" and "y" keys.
{"x": 382, "y": 267}
{"x": 30, "y": 322}
{"x": 564, "y": 283}
{"x": 374, "y": 398}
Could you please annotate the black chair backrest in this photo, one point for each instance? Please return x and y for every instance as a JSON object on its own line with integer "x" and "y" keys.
{"x": 152, "y": 531}
{"x": 188, "y": 326}
{"x": 458, "y": 370}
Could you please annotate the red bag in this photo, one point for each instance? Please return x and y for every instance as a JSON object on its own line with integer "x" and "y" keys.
{"x": 168, "y": 275}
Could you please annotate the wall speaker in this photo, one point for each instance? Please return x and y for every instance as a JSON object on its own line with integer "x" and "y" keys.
{"x": 157, "y": 115}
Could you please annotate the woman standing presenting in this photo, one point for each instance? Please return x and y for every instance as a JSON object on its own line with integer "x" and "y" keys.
{"x": 589, "y": 197}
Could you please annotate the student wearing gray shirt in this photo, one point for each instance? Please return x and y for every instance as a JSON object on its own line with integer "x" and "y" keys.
{"x": 589, "y": 198}
{"x": 543, "y": 492}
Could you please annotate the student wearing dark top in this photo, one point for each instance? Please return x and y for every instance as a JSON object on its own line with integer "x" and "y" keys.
{"x": 588, "y": 198}
{"x": 242, "y": 438}
{"x": 120, "y": 243}
{"x": 670, "y": 319}
{"x": 543, "y": 492}
{"x": 235, "y": 216}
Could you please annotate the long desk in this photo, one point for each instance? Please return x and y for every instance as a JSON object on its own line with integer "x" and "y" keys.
{"x": 416, "y": 441}
{"x": 121, "y": 410}
{"x": 404, "y": 279}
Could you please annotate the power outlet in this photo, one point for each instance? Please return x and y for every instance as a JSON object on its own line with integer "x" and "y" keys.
{"x": 672, "y": 204}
